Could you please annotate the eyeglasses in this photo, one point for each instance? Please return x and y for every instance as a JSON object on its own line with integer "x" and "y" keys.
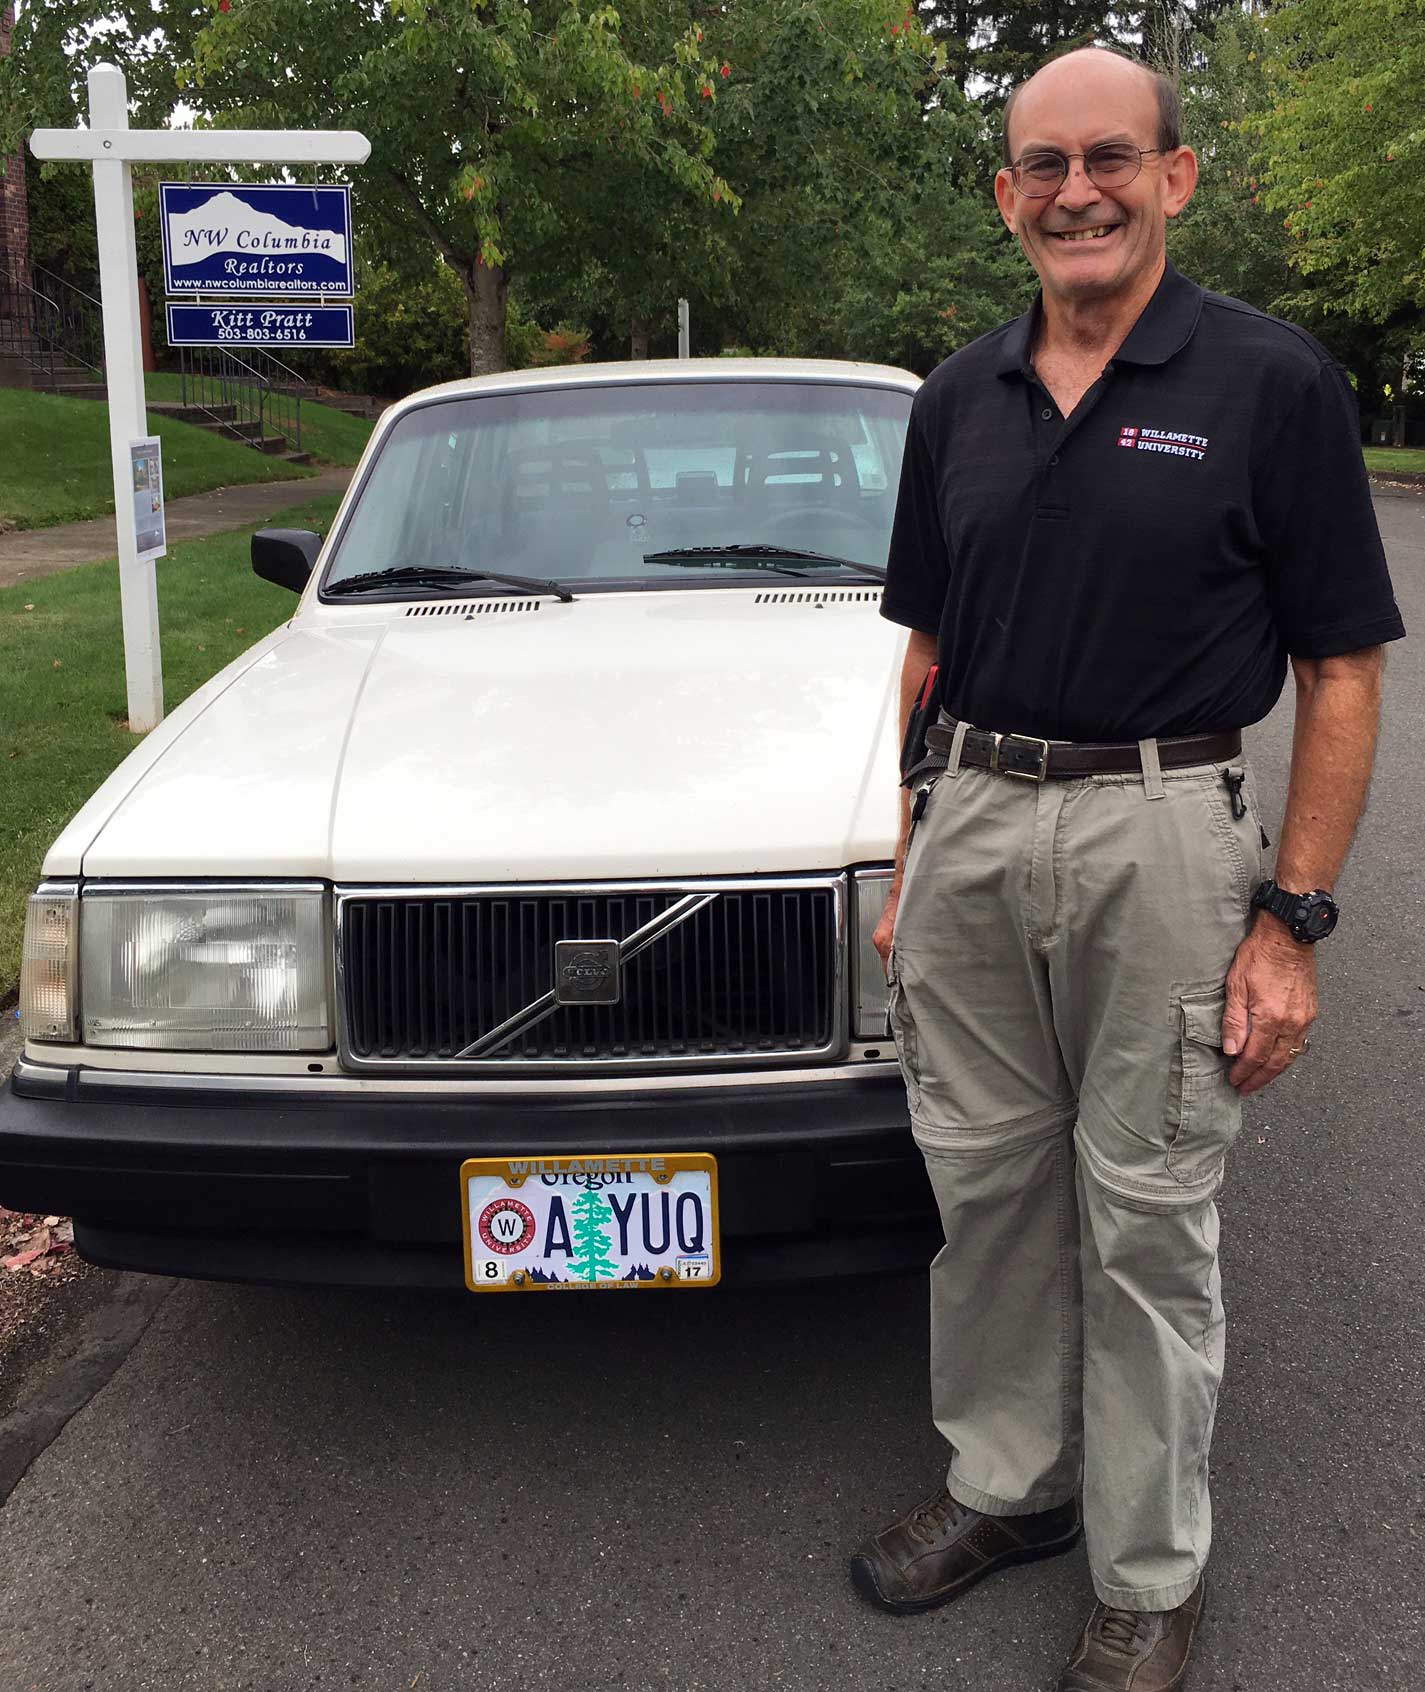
{"x": 1037, "y": 175}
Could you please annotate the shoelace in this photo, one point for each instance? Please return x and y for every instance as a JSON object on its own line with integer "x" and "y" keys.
{"x": 935, "y": 1514}
{"x": 1119, "y": 1630}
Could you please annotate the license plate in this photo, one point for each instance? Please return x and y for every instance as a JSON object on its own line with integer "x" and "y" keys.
{"x": 586, "y": 1223}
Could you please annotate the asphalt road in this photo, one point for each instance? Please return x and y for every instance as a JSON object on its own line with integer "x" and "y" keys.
{"x": 288, "y": 1490}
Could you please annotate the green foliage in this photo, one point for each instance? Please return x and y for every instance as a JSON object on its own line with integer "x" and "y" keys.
{"x": 1227, "y": 237}
{"x": 411, "y": 332}
{"x": 949, "y": 273}
{"x": 1344, "y": 136}
{"x": 809, "y": 174}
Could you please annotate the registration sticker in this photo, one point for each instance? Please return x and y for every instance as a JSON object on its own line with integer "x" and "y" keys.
{"x": 590, "y": 1223}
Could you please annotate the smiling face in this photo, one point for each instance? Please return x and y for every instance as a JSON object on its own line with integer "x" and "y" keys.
{"x": 1089, "y": 242}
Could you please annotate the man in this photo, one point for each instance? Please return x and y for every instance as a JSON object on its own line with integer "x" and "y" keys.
{"x": 1119, "y": 517}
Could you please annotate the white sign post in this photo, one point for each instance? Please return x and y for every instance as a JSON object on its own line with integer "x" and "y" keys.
{"x": 113, "y": 148}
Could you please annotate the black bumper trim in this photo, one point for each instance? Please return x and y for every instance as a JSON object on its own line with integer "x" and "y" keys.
{"x": 361, "y": 1191}
{"x": 291, "y": 1260}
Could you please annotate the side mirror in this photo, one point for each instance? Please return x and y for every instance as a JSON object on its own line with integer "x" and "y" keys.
{"x": 285, "y": 556}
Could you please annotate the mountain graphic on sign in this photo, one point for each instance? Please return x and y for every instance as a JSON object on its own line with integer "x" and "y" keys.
{"x": 214, "y": 227}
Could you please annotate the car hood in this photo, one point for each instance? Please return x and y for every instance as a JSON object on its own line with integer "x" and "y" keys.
{"x": 634, "y": 734}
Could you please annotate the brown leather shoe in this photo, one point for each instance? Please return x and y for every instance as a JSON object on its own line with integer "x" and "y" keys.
{"x": 942, "y": 1548}
{"x": 1134, "y": 1650}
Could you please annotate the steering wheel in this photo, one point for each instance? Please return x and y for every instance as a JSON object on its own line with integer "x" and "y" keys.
{"x": 817, "y": 517}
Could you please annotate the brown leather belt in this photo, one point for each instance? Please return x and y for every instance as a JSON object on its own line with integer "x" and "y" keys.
{"x": 1056, "y": 760}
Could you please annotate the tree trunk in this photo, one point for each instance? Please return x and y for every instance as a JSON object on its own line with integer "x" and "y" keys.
{"x": 485, "y": 288}
{"x": 638, "y": 337}
{"x": 1398, "y": 414}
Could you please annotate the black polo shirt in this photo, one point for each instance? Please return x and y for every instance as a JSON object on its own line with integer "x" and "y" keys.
{"x": 1145, "y": 566}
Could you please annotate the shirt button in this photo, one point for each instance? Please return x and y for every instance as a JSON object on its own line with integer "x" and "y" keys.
{"x": 1047, "y": 415}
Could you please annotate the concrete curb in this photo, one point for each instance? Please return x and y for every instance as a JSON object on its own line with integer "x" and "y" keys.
{"x": 87, "y": 1359}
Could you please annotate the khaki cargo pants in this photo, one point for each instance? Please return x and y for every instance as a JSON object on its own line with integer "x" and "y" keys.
{"x": 1056, "y": 1000}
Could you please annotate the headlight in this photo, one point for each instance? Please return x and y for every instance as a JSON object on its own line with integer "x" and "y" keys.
{"x": 47, "y": 996}
{"x": 868, "y": 976}
{"x": 230, "y": 969}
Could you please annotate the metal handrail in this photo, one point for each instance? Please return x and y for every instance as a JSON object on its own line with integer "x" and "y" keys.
{"x": 52, "y": 325}
{"x": 281, "y": 380}
{"x": 216, "y": 380}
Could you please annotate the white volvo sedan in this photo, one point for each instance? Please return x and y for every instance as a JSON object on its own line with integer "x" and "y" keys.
{"x": 503, "y": 918}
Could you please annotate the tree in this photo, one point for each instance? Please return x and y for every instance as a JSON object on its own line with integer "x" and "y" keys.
{"x": 1344, "y": 142}
{"x": 489, "y": 119}
{"x": 1227, "y": 237}
{"x": 842, "y": 139}
{"x": 593, "y": 1260}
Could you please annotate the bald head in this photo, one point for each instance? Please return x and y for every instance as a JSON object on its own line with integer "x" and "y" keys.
{"x": 1085, "y": 72}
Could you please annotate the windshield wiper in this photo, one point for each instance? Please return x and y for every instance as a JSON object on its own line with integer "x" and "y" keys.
{"x": 755, "y": 553}
{"x": 443, "y": 576}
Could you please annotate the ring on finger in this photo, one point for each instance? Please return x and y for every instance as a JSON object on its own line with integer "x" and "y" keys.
{"x": 1298, "y": 1051}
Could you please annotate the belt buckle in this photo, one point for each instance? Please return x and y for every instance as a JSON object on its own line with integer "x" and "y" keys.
{"x": 1042, "y": 754}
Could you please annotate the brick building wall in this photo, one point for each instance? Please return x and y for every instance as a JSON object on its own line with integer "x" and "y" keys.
{"x": 14, "y": 212}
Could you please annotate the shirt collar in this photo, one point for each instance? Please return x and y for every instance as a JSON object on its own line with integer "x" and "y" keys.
{"x": 1164, "y": 327}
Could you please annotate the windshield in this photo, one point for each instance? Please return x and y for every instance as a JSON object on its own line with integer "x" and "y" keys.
{"x": 579, "y": 483}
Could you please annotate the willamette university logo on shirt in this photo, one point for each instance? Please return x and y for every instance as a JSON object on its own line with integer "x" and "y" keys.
{"x": 1171, "y": 441}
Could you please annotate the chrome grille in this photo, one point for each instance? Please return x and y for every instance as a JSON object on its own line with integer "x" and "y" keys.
{"x": 753, "y": 976}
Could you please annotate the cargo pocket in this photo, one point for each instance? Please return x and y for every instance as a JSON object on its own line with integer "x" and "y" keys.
{"x": 903, "y": 1033}
{"x": 1204, "y": 1109}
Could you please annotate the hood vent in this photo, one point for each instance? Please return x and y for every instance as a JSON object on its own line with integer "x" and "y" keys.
{"x": 819, "y": 596}
{"x": 473, "y": 607}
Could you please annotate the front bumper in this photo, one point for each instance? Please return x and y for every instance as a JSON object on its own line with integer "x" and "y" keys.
{"x": 300, "y": 1186}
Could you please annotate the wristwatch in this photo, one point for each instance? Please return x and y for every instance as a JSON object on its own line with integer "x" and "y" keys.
{"x": 1309, "y": 916}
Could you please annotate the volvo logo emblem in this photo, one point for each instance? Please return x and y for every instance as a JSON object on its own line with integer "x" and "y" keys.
{"x": 586, "y": 972}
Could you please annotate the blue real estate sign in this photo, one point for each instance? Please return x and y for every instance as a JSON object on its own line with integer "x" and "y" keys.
{"x": 236, "y": 238}
{"x": 260, "y": 323}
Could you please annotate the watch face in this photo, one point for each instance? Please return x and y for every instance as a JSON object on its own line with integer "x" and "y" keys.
{"x": 1316, "y": 916}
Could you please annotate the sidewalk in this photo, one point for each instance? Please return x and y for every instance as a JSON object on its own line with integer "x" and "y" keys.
{"x": 28, "y": 553}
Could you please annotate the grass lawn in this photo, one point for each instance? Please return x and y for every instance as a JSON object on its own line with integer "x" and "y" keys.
{"x": 329, "y": 435}
{"x": 56, "y": 468}
{"x": 1384, "y": 460}
{"x": 62, "y": 696}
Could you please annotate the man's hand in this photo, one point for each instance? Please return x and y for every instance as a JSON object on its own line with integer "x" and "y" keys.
{"x": 1271, "y": 1004}
{"x": 885, "y": 929}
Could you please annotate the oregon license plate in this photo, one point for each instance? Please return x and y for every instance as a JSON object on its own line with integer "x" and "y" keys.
{"x": 590, "y": 1222}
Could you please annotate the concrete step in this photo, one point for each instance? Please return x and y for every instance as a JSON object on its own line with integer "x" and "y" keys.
{"x": 275, "y": 446}
{"x": 202, "y": 415}
{"x": 75, "y": 390}
{"x": 296, "y": 457}
{"x": 247, "y": 429}
{"x": 355, "y": 405}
